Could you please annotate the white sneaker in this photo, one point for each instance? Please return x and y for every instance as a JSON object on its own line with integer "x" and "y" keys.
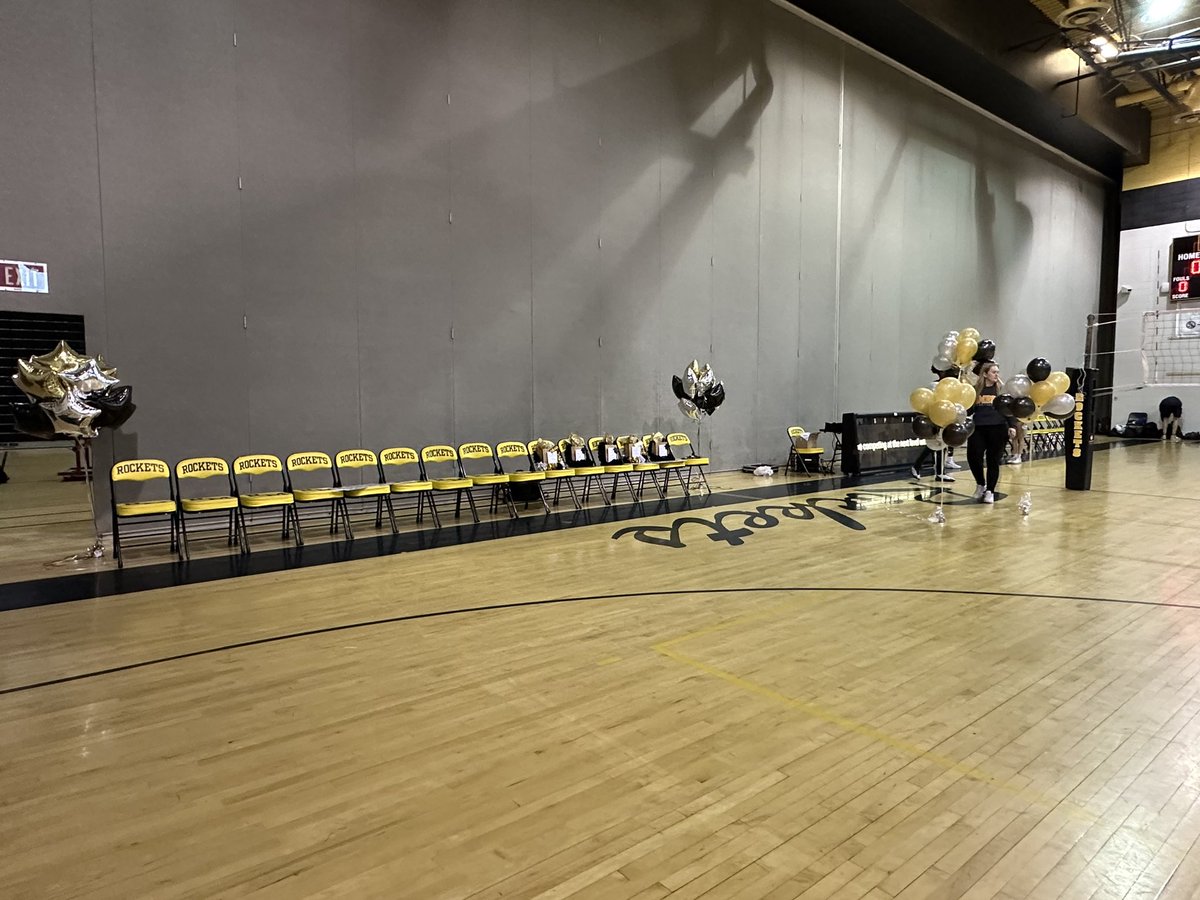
{"x": 943, "y": 478}
{"x": 1014, "y": 460}
{"x": 915, "y": 473}
{"x": 980, "y": 490}
{"x": 951, "y": 464}
{"x": 1177, "y": 439}
{"x": 988, "y": 497}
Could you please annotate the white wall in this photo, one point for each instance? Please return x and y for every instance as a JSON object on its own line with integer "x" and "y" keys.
{"x": 1145, "y": 263}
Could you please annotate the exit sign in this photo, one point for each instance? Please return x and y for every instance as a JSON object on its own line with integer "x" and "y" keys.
{"x": 28, "y": 277}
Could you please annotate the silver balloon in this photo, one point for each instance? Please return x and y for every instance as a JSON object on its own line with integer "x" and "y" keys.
{"x": 1060, "y": 405}
{"x": 690, "y": 377}
{"x": 935, "y": 443}
{"x": 941, "y": 363}
{"x": 707, "y": 379}
{"x": 689, "y": 409}
{"x": 87, "y": 377}
{"x": 72, "y": 415}
{"x": 960, "y": 414}
{"x": 1018, "y": 386}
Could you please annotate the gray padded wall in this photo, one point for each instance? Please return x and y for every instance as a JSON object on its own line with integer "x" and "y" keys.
{"x": 482, "y": 220}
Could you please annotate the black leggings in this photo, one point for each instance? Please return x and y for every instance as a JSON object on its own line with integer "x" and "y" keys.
{"x": 989, "y": 440}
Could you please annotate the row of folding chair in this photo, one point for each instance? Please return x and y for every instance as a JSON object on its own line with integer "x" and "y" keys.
{"x": 390, "y": 483}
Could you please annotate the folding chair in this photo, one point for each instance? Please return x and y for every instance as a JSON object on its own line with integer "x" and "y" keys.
{"x": 584, "y": 465}
{"x": 668, "y": 464}
{"x": 496, "y": 480}
{"x": 203, "y": 467}
{"x": 316, "y": 461}
{"x": 641, "y": 467}
{"x": 799, "y": 457}
{"x": 264, "y": 464}
{"x": 617, "y": 468}
{"x": 442, "y": 457}
{"x": 559, "y": 474}
{"x": 143, "y": 470}
{"x": 346, "y": 460}
{"x": 518, "y": 450}
{"x": 695, "y": 464}
{"x": 391, "y": 462}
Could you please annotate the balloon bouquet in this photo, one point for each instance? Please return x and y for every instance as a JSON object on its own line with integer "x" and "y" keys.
{"x": 699, "y": 394}
{"x": 71, "y": 395}
{"x": 698, "y": 391}
{"x": 942, "y": 418}
{"x": 942, "y": 408}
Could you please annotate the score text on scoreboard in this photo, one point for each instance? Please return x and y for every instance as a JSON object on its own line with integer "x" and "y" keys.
{"x": 1185, "y": 268}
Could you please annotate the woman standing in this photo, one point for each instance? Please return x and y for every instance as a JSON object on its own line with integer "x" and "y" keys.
{"x": 992, "y": 431}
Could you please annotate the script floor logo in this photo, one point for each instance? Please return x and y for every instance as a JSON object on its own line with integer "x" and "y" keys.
{"x": 745, "y": 522}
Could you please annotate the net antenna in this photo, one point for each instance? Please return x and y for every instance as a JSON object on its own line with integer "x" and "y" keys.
{"x": 1158, "y": 348}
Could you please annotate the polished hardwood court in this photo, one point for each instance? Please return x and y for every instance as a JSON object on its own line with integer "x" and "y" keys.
{"x": 842, "y": 700}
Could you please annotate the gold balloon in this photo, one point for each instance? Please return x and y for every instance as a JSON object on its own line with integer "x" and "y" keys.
{"x": 966, "y": 394}
{"x": 920, "y": 399}
{"x": 942, "y": 412}
{"x": 61, "y": 357}
{"x": 1042, "y": 392}
{"x": 38, "y": 381}
{"x": 947, "y": 389}
{"x": 966, "y": 349}
{"x": 971, "y": 333}
{"x": 1060, "y": 380}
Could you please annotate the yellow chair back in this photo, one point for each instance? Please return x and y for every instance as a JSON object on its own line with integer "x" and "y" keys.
{"x": 201, "y": 467}
{"x": 258, "y": 464}
{"x": 356, "y": 459}
{"x": 507, "y": 449}
{"x": 140, "y": 470}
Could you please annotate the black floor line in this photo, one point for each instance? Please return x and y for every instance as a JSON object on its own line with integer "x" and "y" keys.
{"x": 73, "y": 586}
{"x": 556, "y": 601}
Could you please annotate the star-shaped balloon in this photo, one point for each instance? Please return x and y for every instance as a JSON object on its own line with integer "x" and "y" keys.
{"x": 87, "y": 377}
{"x": 38, "y": 381}
{"x": 72, "y": 415}
{"x": 61, "y": 357}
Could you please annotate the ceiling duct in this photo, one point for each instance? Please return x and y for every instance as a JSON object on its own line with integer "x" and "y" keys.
{"x": 1083, "y": 14}
{"x": 1190, "y": 99}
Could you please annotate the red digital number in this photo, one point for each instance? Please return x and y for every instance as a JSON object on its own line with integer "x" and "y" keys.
{"x": 1181, "y": 285}
{"x": 1194, "y": 268}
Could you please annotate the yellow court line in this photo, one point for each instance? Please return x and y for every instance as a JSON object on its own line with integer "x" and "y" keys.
{"x": 667, "y": 649}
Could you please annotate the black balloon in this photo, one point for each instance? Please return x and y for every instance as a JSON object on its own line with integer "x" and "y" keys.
{"x": 953, "y": 372}
{"x": 1023, "y": 407}
{"x": 987, "y": 350}
{"x": 1061, "y": 416}
{"x": 955, "y": 435}
{"x": 115, "y": 404}
{"x": 714, "y": 397}
{"x": 1003, "y": 404}
{"x": 32, "y": 420}
{"x": 923, "y": 428}
{"x": 677, "y": 387}
{"x": 1038, "y": 369}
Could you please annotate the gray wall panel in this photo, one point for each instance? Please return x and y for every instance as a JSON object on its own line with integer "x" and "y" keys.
{"x": 566, "y": 199}
{"x": 168, "y": 162}
{"x": 295, "y": 126}
{"x": 50, "y": 190}
{"x": 685, "y": 235}
{"x": 402, "y": 167}
{"x": 630, "y": 92}
{"x": 490, "y": 237}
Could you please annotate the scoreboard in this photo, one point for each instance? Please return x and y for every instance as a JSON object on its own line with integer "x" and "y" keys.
{"x": 1185, "y": 268}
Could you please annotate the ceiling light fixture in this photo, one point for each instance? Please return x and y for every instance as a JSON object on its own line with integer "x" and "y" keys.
{"x": 1162, "y": 10}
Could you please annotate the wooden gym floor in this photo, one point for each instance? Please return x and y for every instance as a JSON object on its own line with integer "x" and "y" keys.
{"x": 841, "y": 700}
